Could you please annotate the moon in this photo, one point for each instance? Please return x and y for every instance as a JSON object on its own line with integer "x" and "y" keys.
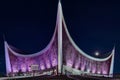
{"x": 97, "y": 53}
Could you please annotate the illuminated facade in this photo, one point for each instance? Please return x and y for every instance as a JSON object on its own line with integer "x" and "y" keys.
{"x": 61, "y": 52}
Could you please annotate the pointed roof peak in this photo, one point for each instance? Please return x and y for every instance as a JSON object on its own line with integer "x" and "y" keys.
{"x": 113, "y": 50}
{"x": 59, "y": 7}
{"x": 4, "y": 37}
{"x": 59, "y": 1}
{"x": 114, "y": 47}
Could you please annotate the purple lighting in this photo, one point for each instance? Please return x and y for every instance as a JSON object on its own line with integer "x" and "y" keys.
{"x": 29, "y": 68}
{"x": 69, "y": 63}
{"x": 104, "y": 68}
{"x": 77, "y": 63}
{"x": 48, "y": 60}
{"x": 42, "y": 67}
{"x": 23, "y": 68}
{"x": 93, "y": 69}
{"x": 82, "y": 65}
{"x": 47, "y": 63}
{"x": 104, "y": 72}
{"x": 54, "y": 62}
{"x": 98, "y": 72}
{"x": 82, "y": 68}
{"x": 77, "y": 66}
{"x": 14, "y": 69}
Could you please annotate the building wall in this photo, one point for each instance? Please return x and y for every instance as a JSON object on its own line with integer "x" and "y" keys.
{"x": 45, "y": 60}
{"x": 75, "y": 59}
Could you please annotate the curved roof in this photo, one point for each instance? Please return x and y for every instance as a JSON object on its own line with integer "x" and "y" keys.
{"x": 78, "y": 49}
{"x": 17, "y": 52}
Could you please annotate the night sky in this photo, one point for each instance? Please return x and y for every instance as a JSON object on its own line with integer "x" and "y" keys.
{"x": 94, "y": 25}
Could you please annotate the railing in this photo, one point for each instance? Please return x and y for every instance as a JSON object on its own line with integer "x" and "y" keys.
{"x": 72, "y": 71}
